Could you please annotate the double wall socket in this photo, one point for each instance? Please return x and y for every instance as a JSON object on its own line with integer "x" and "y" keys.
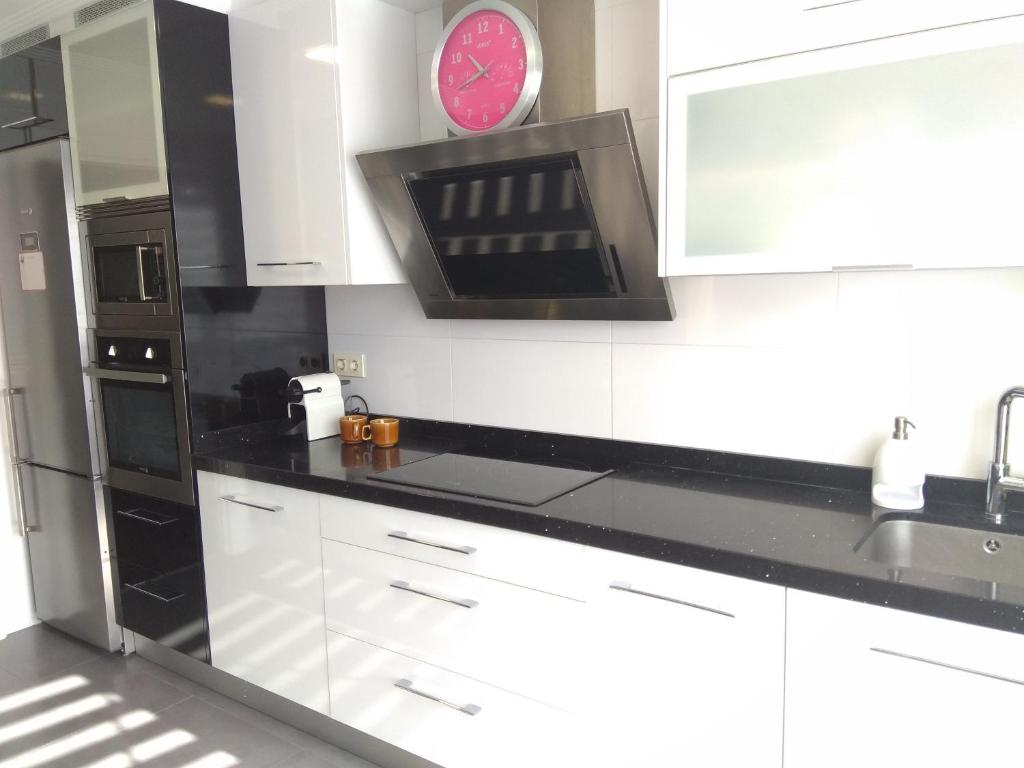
{"x": 350, "y": 365}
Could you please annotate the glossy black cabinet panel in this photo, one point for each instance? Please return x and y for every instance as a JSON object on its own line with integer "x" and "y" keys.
{"x": 157, "y": 557}
{"x": 32, "y": 106}
{"x": 199, "y": 131}
{"x": 242, "y": 346}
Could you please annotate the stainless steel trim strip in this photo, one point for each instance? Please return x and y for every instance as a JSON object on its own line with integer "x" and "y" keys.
{"x": 236, "y": 500}
{"x": 288, "y": 263}
{"x": 944, "y": 665}
{"x": 623, "y": 586}
{"x": 154, "y": 595}
{"x": 139, "y": 377}
{"x": 466, "y": 709}
{"x": 133, "y": 514}
{"x": 403, "y": 536}
{"x": 203, "y": 266}
{"x": 406, "y": 587}
{"x": 19, "y": 123}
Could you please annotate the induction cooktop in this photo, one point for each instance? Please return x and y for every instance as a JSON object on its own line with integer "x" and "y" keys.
{"x": 515, "y": 482}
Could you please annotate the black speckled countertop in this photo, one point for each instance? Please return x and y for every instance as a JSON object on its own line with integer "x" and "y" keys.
{"x": 791, "y": 523}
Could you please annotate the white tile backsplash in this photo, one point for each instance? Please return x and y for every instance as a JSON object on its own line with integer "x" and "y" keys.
{"x": 761, "y": 401}
{"x": 406, "y": 375}
{"x": 562, "y": 387}
{"x": 534, "y": 330}
{"x": 743, "y": 311}
{"x": 380, "y": 310}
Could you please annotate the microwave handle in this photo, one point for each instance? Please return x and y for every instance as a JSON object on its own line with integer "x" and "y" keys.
{"x": 138, "y": 377}
{"x": 139, "y": 251}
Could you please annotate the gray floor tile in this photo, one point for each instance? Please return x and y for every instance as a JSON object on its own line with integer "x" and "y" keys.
{"x": 37, "y": 652}
{"x": 310, "y": 760}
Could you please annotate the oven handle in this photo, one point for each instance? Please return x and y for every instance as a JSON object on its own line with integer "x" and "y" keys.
{"x": 139, "y": 377}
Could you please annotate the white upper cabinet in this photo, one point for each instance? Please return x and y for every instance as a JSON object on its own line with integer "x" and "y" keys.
{"x": 315, "y": 82}
{"x": 114, "y": 112}
{"x": 899, "y": 152}
{"x": 714, "y": 33}
{"x": 870, "y": 686}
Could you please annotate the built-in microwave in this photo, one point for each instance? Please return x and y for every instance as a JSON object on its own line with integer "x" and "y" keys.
{"x": 139, "y": 389}
{"x": 132, "y": 265}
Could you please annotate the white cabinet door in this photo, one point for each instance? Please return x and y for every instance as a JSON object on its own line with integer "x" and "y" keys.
{"x": 115, "y": 116}
{"x": 264, "y": 586}
{"x": 872, "y": 686}
{"x": 684, "y": 667}
{"x": 289, "y": 144}
{"x": 896, "y": 153}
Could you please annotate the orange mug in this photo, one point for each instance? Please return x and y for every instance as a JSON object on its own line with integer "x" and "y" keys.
{"x": 351, "y": 428}
{"x": 383, "y": 432}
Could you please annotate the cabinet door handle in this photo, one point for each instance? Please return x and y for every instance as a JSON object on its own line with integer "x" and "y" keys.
{"x": 136, "y": 514}
{"x": 264, "y": 507}
{"x": 202, "y": 266}
{"x": 154, "y": 595}
{"x": 623, "y": 586}
{"x": 466, "y": 709}
{"x": 944, "y": 665}
{"x": 406, "y": 587}
{"x": 288, "y": 263}
{"x": 436, "y": 544}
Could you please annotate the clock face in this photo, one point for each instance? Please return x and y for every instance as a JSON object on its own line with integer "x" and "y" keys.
{"x": 487, "y": 68}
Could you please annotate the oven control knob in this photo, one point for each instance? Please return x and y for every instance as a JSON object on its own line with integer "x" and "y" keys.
{"x": 112, "y": 352}
{"x": 150, "y": 354}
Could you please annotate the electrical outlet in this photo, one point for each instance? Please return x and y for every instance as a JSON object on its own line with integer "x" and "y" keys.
{"x": 350, "y": 365}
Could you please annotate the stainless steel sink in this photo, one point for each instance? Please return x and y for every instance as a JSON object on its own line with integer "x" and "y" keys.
{"x": 946, "y": 549}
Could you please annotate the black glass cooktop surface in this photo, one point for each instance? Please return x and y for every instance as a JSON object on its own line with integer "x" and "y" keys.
{"x": 515, "y": 482}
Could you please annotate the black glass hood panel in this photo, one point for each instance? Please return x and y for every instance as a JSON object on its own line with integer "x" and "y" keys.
{"x": 514, "y": 230}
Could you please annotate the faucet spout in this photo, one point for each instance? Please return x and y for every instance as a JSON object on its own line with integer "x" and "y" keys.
{"x": 999, "y": 480}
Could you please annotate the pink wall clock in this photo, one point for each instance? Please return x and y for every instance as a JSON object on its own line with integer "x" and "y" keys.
{"x": 487, "y": 68}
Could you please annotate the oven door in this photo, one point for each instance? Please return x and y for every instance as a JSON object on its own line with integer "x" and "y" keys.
{"x": 132, "y": 273}
{"x": 145, "y": 441}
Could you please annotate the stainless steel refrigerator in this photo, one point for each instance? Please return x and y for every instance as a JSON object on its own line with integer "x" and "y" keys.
{"x": 50, "y": 418}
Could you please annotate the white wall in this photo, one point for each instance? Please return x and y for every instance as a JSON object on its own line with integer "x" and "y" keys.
{"x": 15, "y": 588}
{"x": 803, "y": 366}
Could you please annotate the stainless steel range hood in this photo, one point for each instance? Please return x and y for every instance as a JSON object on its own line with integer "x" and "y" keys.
{"x": 544, "y": 222}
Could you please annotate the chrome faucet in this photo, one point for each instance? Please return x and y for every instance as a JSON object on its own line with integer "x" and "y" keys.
{"x": 999, "y": 480}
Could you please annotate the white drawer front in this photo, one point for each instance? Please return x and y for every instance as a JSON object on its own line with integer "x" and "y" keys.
{"x": 515, "y": 638}
{"x": 443, "y": 717}
{"x": 518, "y": 558}
{"x": 264, "y": 586}
{"x": 688, "y": 665}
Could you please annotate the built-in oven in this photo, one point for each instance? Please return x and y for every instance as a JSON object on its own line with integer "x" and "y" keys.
{"x": 139, "y": 388}
{"x": 131, "y": 262}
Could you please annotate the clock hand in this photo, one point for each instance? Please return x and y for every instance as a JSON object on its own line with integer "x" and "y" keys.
{"x": 473, "y": 78}
{"x": 480, "y": 70}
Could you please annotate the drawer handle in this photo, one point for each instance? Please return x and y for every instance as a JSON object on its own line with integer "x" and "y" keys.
{"x": 406, "y": 587}
{"x": 466, "y": 709}
{"x": 944, "y": 665}
{"x": 403, "y": 536}
{"x": 265, "y": 508}
{"x": 288, "y": 263}
{"x": 136, "y": 514}
{"x": 154, "y": 595}
{"x": 623, "y": 586}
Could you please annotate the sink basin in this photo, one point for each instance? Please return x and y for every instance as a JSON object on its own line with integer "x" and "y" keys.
{"x": 946, "y": 549}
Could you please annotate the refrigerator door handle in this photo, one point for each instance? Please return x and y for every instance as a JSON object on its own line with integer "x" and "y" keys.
{"x": 19, "y": 500}
{"x": 12, "y": 426}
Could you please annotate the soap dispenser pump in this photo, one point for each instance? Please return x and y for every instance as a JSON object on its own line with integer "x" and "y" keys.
{"x": 897, "y": 481}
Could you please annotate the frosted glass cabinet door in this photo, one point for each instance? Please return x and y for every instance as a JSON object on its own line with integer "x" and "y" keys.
{"x": 899, "y": 152}
{"x": 114, "y": 112}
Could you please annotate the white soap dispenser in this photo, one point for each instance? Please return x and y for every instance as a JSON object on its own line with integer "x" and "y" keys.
{"x": 897, "y": 481}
